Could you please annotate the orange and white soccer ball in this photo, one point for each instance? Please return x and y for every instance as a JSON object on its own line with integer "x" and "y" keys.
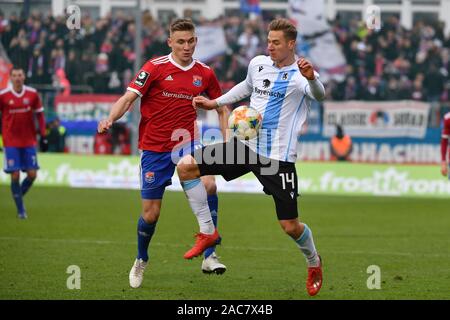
{"x": 245, "y": 122}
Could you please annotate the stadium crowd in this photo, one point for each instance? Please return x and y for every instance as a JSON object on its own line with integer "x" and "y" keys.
{"x": 394, "y": 63}
{"x": 391, "y": 64}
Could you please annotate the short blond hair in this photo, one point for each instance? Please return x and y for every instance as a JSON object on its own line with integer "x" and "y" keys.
{"x": 288, "y": 28}
{"x": 181, "y": 25}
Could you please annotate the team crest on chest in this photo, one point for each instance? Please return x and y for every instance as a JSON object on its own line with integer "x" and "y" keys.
{"x": 197, "y": 81}
{"x": 26, "y": 101}
{"x": 285, "y": 76}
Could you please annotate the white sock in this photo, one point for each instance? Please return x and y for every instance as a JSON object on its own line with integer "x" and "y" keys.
{"x": 198, "y": 199}
{"x": 306, "y": 244}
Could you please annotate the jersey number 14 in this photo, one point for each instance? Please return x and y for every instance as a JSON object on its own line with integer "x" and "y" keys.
{"x": 287, "y": 177}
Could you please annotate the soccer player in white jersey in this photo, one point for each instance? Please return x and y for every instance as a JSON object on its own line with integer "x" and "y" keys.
{"x": 280, "y": 87}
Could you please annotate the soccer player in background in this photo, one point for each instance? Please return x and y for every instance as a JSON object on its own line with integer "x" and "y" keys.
{"x": 280, "y": 86}
{"x": 18, "y": 105}
{"x": 166, "y": 86}
{"x": 445, "y": 156}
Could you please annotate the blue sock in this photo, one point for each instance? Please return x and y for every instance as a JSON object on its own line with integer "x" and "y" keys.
{"x": 145, "y": 232}
{"x": 17, "y": 195}
{"x": 26, "y": 184}
{"x": 306, "y": 244}
{"x": 213, "y": 203}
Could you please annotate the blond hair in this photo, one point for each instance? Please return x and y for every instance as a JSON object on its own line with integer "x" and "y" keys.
{"x": 181, "y": 25}
{"x": 289, "y": 30}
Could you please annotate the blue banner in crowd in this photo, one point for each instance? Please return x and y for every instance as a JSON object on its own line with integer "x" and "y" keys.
{"x": 250, "y": 6}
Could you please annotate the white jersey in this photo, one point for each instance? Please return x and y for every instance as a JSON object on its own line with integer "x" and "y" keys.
{"x": 281, "y": 97}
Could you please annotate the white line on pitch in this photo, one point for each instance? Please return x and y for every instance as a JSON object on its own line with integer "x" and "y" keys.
{"x": 159, "y": 244}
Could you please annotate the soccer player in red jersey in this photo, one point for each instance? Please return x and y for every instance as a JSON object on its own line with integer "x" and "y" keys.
{"x": 18, "y": 105}
{"x": 166, "y": 86}
{"x": 445, "y": 156}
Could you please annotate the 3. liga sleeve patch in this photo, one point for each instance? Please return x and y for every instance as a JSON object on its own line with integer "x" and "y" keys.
{"x": 141, "y": 78}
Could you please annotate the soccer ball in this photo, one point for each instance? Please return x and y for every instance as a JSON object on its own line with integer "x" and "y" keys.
{"x": 245, "y": 122}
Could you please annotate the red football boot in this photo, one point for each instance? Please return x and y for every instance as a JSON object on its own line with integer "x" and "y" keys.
{"x": 202, "y": 242}
{"x": 314, "y": 281}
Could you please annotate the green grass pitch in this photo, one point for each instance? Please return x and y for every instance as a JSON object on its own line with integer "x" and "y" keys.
{"x": 408, "y": 238}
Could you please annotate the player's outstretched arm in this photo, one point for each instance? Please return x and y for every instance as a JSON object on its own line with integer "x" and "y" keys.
{"x": 204, "y": 103}
{"x": 239, "y": 92}
{"x": 117, "y": 111}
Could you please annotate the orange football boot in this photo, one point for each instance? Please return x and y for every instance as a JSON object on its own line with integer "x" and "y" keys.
{"x": 202, "y": 242}
{"x": 314, "y": 281}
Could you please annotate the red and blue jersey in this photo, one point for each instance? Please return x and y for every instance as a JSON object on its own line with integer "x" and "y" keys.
{"x": 166, "y": 90}
{"x": 17, "y": 109}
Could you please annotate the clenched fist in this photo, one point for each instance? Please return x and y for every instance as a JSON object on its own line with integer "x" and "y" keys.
{"x": 306, "y": 68}
{"x": 104, "y": 125}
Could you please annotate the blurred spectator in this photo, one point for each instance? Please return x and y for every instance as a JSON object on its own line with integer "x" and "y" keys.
{"x": 56, "y": 136}
{"x": 37, "y": 68}
{"x": 341, "y": 145}
{"x": 248, "y": 42}
{"x": 372, "y": 91}
{"x": 103, "y": 143}
{"x": 434, "y": 83}
{"x": 71, "y": 68}
{"x": 19, "y": 51}
{"x": 351, "y": 89}
{"x": 61, "y": 83}
{"x": 417, "y": 90}
{"x": 392, "y": 90}
{"x": 101, "y": 77}
{"x": 86, "y": 68}
{"x": 120, "y": 139}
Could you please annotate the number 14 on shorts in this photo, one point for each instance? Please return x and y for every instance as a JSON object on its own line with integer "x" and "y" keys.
{"x": 287, "y": 177}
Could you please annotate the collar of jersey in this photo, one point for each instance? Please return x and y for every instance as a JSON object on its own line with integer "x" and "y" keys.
{"x": 285, "y": 67}
{"x": 18, "y": 94}
{"x": 179, "y": 66}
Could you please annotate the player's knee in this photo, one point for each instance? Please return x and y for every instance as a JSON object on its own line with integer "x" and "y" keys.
{"x": 210, "y": 184}
{"x": 15, "y": 176}
{"x": 32, "y": 175}
{"x": 291, "y": 227}
{"x": 151, "y": 210}
{"x": 150, "y": 215}
{"x": 182, "y": 171}
{"x": 187, "y": 171}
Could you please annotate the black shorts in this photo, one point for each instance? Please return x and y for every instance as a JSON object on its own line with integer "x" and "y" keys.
{"x": 233, "y": 159}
